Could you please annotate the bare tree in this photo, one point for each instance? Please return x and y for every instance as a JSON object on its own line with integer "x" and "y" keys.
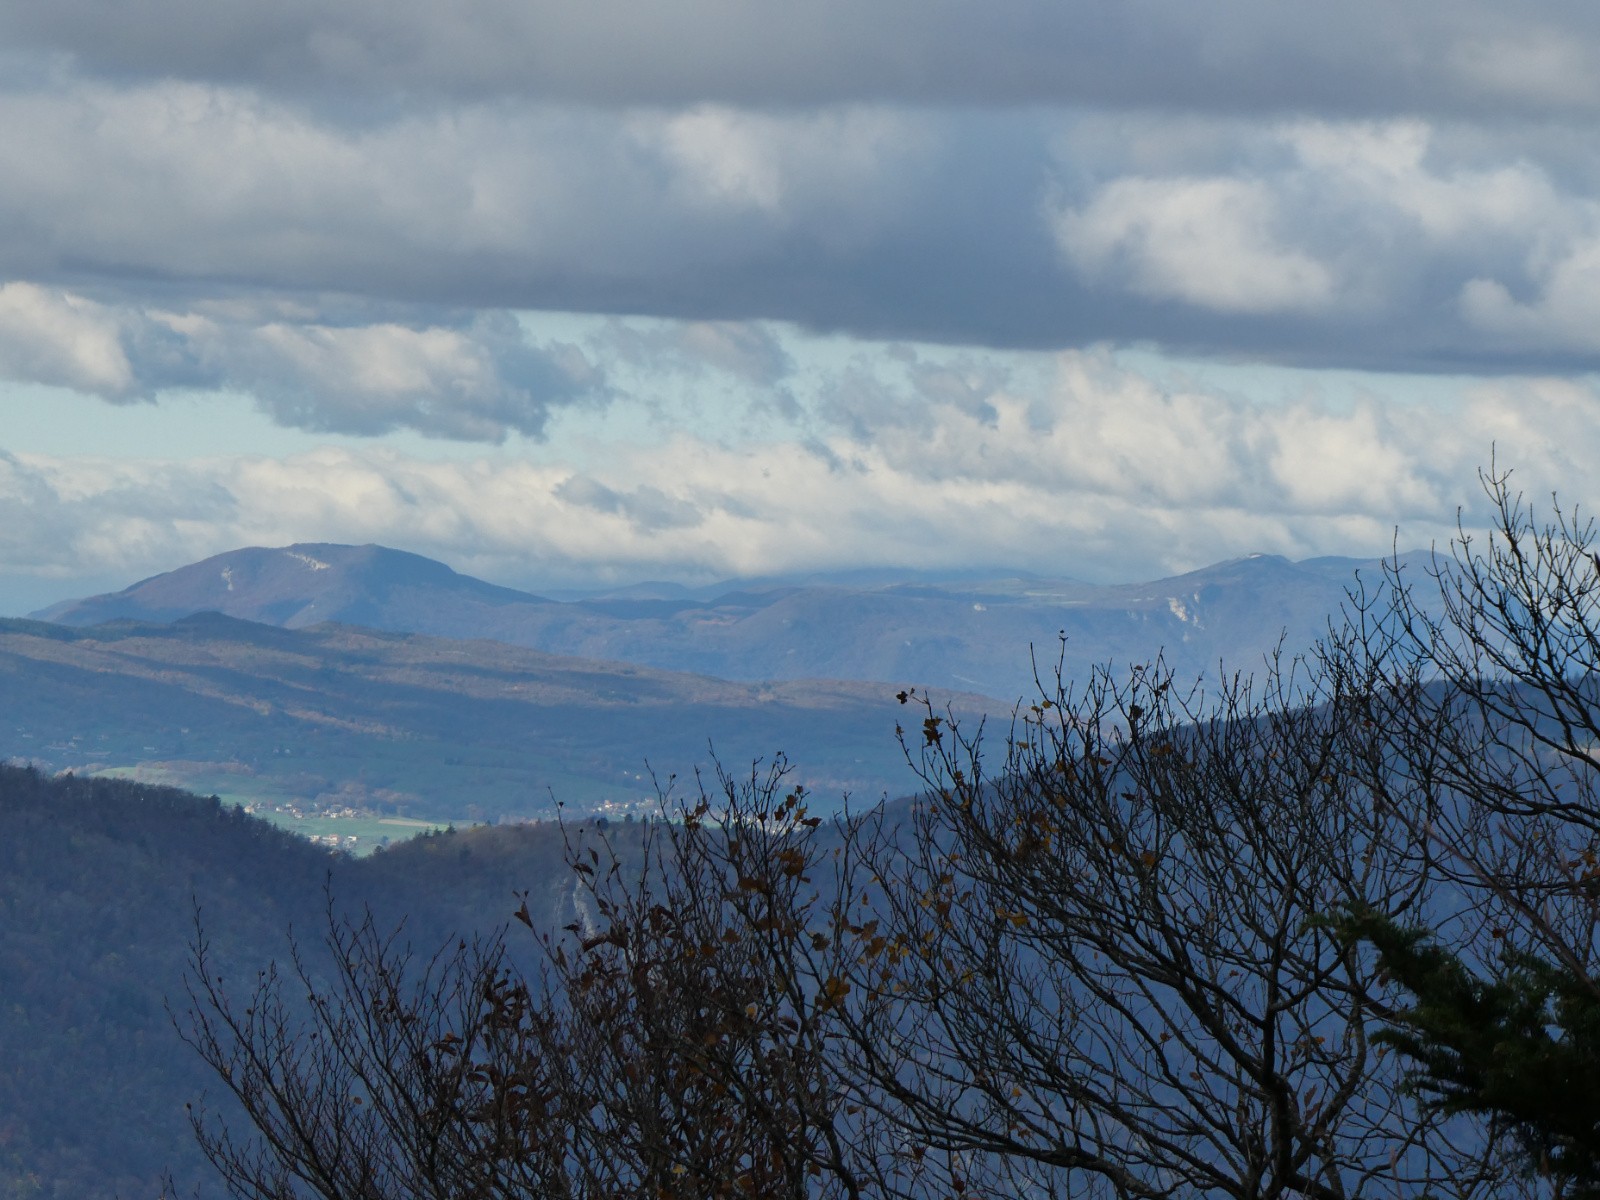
{"x": 1094, "y": 969}
{"x": 396, "y": 1077}
{"x": 695, "y": 972}
{"x": 673, "y": 1046}
{"x": 1099, "y": 967}
{"x": 1491, "y": 659}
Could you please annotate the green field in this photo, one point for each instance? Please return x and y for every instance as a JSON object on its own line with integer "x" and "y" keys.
{"x": 356, "y": 833}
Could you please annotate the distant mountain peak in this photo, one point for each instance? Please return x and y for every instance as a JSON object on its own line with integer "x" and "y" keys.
{"x": 298, "y": 585}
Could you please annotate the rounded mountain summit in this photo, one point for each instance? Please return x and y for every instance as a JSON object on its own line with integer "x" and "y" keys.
{"x": 306, "y": 584}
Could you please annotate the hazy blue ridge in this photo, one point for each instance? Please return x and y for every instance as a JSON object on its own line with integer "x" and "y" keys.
{"x": 972, "y": 632}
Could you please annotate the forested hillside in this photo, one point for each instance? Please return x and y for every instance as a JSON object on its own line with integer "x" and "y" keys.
{"x": 99, "y": 884}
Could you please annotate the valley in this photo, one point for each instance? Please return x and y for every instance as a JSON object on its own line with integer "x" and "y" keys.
{"x": 335, "y": 725}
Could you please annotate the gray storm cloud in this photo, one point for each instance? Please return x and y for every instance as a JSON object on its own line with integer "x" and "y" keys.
{"x": 1361, "y": 58}
{"x": 1393, "y": 187}
{"x": 1385, "y": 244}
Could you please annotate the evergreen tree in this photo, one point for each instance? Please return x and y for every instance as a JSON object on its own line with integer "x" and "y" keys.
{"x": 1520, "y": 1047}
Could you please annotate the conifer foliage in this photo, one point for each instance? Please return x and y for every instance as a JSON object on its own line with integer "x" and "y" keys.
{"x": 1520, "y": 1047}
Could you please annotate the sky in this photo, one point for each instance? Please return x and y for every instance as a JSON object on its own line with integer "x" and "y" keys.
{"x": 573, "y": 295}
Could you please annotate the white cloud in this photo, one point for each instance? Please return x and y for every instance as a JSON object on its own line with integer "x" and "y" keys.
{"x": 477, "y": 383}
{"x": 495, "y": 206}
{"x": 1355, "y": 462}
{"x": 1104, "y": 434}
{"x": 54, "y": 337}
{"x": 1211, "y": 242}
{"x": 1235, "y": 179}
{"x": 723, "y": 157}
{"x": 480, "y": 380}
{"x": 1104, "y": 474}
{"x": 1563, "y": 315}
{"x": 1383, "y": 167}
{"x": 1397, "y": 232}
{"x": 842, "y": 162}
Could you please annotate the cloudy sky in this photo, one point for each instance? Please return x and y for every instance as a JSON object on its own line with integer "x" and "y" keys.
{"x": 574, "y": 293}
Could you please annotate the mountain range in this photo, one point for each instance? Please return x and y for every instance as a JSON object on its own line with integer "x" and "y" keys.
{"x": 977, "y": 634}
